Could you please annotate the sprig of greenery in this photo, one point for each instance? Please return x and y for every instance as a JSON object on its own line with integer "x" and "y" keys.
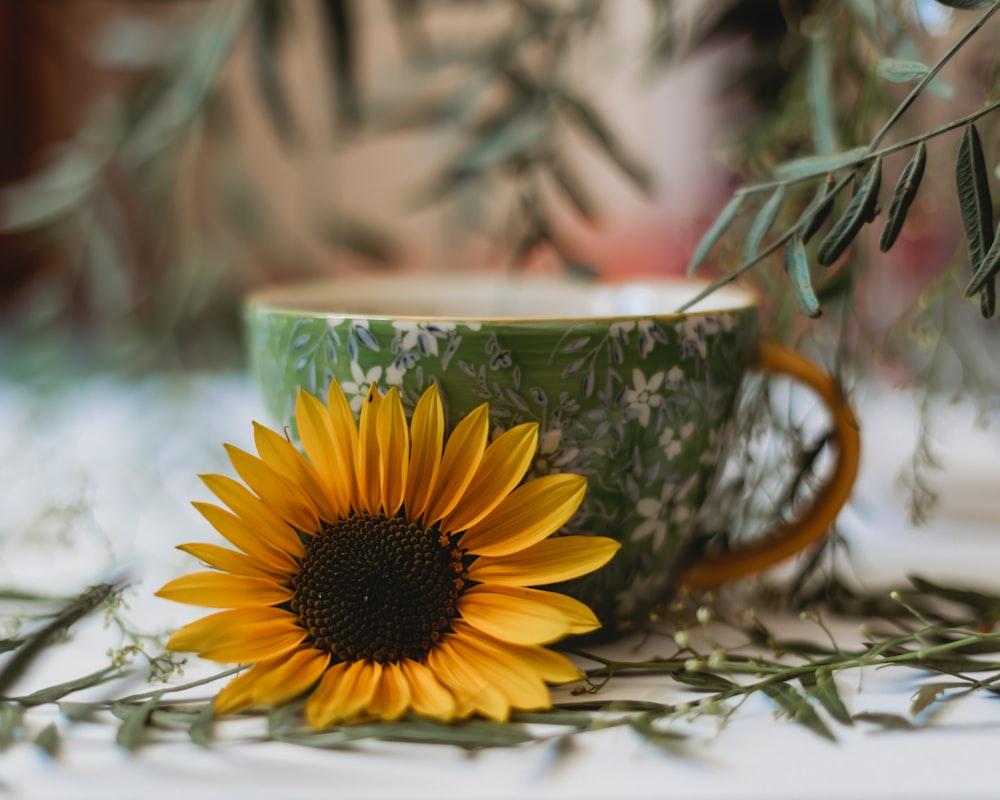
{"x": 837, "y": 171}
{"x": 934, "y": 629}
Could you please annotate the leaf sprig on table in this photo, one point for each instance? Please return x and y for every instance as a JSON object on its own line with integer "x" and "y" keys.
{"x": 718, "y": 660}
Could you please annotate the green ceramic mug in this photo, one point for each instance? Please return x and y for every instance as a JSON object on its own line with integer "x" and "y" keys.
{"x": 634, "y": 396}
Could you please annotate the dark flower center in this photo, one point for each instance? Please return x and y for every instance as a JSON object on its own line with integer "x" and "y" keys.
{"x": 378, "y": 588}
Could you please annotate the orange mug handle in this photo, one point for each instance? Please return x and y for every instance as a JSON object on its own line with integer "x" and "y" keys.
{"x": 713, "y": 569}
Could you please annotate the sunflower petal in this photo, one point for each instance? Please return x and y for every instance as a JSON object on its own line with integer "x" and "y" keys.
{"x": 345, "y": 433}
{"x": 221, "y": 590}
{"x": 394, "y": 451}
{"x": 290, "y": 677}
{"x": 281, "y": 455}
{"x": 523, "y": 689}
{"x": 226, "y": 560}
{"x": 429, "y": 697}
{"x": 501, "y": 469}
{"x": 427, "y": 436}
{"x": 549, "y": 665}
{"x": 527, "y": 515}
{"x": 319, "y": 711}
{"x": 508, "y": 615}
{"x": 237, "y": 532}
{"x": 329, "y": 453}
{"x": 237, "y": 695}
{"x": 392, "y": 694}
{"x": 279, "y": 494}
{"x": 357, "y": 689}
{"x": 240, "y": 636}
{"x": 248, "y": 507}
{"x": 369, "y": 481}
{"x": 461, "y": 458}
{"x": 471, "y": 689}
{"x": 549, "y": 561}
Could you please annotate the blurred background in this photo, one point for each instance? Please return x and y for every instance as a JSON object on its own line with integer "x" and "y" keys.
{"x": 158, "y": 159}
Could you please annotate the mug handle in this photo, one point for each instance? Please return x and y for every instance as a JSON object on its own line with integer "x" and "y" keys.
{"x": 713, "y": 569}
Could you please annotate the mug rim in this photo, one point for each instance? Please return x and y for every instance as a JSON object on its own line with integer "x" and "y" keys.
{"x": 304, "y": 298}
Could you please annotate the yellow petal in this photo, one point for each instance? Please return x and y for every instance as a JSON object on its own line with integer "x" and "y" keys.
{"x": 523, "y": 689}
{"x": 281, "y": 455}
{"x": 226, "y": 560}
{"x": 369, "y": 479}
{"x": 527, "y": 515}
{"x": 427, "y": 435}
{"x": 501, "y": 469}
{"x": 258, "y": 517}
{"x": 221, "y": 590}
{"x": 290, "y": 677}
{"x": 237, "y": 695}
{"x": 461, "y": 458}
{"x": 240, "y": 534}
{"x": 357, "y": 689}
{"x": 240, "y": 636}
{"x": 429, "y": 697}
{"x": 472, "y": 691}
{"x": 345, "y": 432}
{"x": 505, "y": 614}
{"x": 394, "y": 451}
{"x": 330, "y": 455}
{"x": 319, "y": 711}
{"x": 549, "y": 561}
{"x": 279, "y": 494}
{"x": 549, "y": 665}
{"x": 392, "y": 694}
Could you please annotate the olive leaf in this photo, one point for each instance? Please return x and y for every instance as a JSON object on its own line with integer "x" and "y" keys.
{"x": 899, "y": 71}
{"x": 135, "y": 721}
{"x": 987, "y": 269}
{"x": 269, "y": 31}
{"x": 717, "y": 228}
{"x": 48, "y": 740}
{"x": 972, "y": 180}
{"x": 797, "y": 267}
{"x": 763, "y": 222}
{"x": 902, "y": 197}
{"x": 858, "y": 211}
{"x": 817, "y": 165}
{"x": 815, "y": 214}
{"x": 966, "y": 5}
{"x": 798, "y": 708}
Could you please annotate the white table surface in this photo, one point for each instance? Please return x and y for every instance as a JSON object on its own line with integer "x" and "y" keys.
{"x": 101, "y": 472}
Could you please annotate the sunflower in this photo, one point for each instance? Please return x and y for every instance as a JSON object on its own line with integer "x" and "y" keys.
{"x": 388, "y": 570}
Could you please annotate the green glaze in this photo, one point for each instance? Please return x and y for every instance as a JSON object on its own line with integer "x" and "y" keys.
{"x": 641, "y": 406}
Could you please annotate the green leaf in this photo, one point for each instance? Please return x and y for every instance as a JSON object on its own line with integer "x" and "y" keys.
{"x": 819, "y": 165}
{"x": 6, "y": 645}
{"x": 269, "y": 31}
{"x": 826, "y": 692}
{"x": 966, "y": 5}
{"x": 668, "y": 739}
{"x": 889, "y": 722}
{"x": 202, "y": 730}
{"x": 711, "y": 236}
{"x": 797, "y": 267}
{"x": 987, "y": 269}
{"x": 902, "y": 197}
{"x": 987, "y": 606}
{"x": 572, "y": 187}
{"x": 899, "y": 71}
{"x": 42, "y": 638}
{"x": 135, "y": 720}
{"x": 858, "y": 211}
{"x": 703, "y": 681}
{"x": 988, "y": 300}
{"x": 762, "y": 223}
{"x": 49, "y": 741}
{"x": 798, "y": 709}
{"x": 972, "y": 180}
{"x": 595, "y": 127}
{"x": 471, "y": 735}
{"x": 341, "y": 35}
{"x": 816, "y": 213}
{"x": 60, "y": 690}
{"x": 927, "y": 695}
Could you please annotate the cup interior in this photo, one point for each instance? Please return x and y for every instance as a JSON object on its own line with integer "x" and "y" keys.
{"x": 504, "y": 298}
